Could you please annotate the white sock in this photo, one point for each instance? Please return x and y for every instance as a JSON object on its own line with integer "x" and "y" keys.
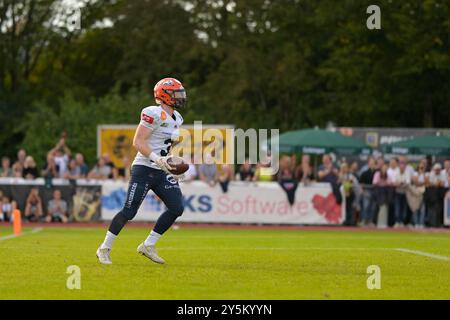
{"x": 109, "y": 240}
{"x": 152, "y": 239}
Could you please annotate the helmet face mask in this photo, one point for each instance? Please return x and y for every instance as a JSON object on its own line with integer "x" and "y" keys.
{"x": 179, "y": 98}
{"x": 170, "y": 91}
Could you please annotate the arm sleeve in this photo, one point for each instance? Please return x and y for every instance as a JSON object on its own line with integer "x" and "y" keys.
{"x": 150, "y": 118}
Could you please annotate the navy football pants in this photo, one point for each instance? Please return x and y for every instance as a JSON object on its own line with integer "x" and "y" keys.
{"x": 143, "y": 179}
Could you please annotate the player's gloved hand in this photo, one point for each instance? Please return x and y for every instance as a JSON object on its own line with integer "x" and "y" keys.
{"x": 161, "y": 162}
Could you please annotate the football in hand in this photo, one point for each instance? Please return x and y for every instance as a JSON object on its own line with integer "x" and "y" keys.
{"x": 178, "y": 165}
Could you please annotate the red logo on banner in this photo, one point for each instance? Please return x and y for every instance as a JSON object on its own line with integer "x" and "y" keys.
{"x": 147, "y": 118}
{"x": 328, "y": 207}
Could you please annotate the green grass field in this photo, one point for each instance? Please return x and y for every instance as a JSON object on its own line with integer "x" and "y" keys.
{"x": 226, "y": 264}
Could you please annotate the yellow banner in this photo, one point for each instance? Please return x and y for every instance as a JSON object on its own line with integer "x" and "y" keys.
{"x": 217, "y": 140}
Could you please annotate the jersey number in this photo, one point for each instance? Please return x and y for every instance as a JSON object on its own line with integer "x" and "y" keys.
{"x": 168, "y": 142}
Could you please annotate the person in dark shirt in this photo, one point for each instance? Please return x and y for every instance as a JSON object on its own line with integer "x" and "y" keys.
{"x": 30, "y": 170}
{"x": 327, "y": 171}
{"x": 286, "y": 178}
{"x": 247, "y": 172}
{"x": 368, "y": 203}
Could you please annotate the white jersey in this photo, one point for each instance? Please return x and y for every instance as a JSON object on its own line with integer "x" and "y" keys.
{"x": 166, "y": 129}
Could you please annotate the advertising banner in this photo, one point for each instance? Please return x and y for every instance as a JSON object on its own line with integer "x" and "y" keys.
{"x": 264, "y": 202}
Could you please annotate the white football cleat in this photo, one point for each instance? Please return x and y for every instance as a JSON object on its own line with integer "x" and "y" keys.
{"x": 104, "y": 256}
{"x": 150, "y": 252}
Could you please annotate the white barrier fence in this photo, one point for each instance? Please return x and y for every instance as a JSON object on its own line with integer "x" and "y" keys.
{"x": 264, "y": 202}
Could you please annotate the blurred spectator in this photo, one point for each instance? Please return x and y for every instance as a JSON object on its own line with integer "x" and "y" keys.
{"x": 437, "y": 176}
{"x": 225, "y": 176}
{"x": 393, "y": 169}
{"x": 415, "y": 196}
{"x": 429, "y": 161}
{"x": 264, "y": 170}
{"x": 50, "y": 170}
{"x": 124, "y": 171}
{"x": 382, "y": 194}
{"x": 30, "y": 171}
{"x": 6, "y": 171}
{"x": 354, "y": 169}
{"x": 7, "y": 207}
{"x": 365, "y": 166}
{"x": 33, "y": 207}
{"x": 434, "y": 195}
{"x": 73, "y": 171}
{"x": 304, "y": 172}
{"x": 381, "y": 177}
{"x": 401, "y": 181}
{"x": 409, "y": 168}
{"x": 246, "y": 171}
{"x": 447, "y": 166}
{"x": 349, "y": 185}
{"x": 61, "y": 154}
{"x": 109, "y": 163}
{"x": 423, "y": 162}
{"x": 21, "y": 156}
{"x": 57, "y": 209}
{"x": 379, "y": 163}
{"x": 286, "y": 178}
{"x": 17, "y": 170}
{"x": 368, "y": 196}
{"x": 101, "y": 171}
{"x": 327, "y": 171}
{"x": 208, "y": 172}
{"x": 447, "y": 172}
{"x": 82, "y": 167}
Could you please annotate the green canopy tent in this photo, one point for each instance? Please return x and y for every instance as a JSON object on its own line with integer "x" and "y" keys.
{"x": 317, "y": 141}
{"x": 426, "y": 145}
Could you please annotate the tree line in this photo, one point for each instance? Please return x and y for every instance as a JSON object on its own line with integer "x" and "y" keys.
{"x": 284, "y": 64}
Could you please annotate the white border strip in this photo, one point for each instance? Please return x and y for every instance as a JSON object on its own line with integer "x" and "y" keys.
{"x": 425, "y": 254}
{"x": 270, "y": 248}
{"x": 12, "y": 236}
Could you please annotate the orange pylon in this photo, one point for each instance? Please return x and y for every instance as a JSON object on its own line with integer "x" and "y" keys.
{"x": 17, "y": 223}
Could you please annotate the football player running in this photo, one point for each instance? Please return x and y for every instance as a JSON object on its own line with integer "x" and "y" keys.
{"x": 158, "y": 127}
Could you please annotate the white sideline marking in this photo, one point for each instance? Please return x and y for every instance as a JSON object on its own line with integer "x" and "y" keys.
{"x": 271, "y": 248}
{"x": 12, "y": 236}
{"x": 425, "y": 254}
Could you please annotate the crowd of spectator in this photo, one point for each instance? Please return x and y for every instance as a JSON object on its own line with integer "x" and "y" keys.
{"x": 381, "y": 192}
{"x": 60, "y": 163}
